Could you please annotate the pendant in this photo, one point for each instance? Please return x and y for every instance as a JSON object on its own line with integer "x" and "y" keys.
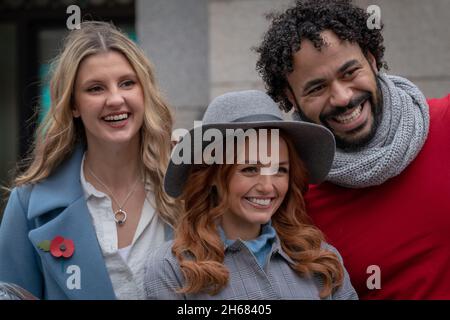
{"x": 120, "y": 217}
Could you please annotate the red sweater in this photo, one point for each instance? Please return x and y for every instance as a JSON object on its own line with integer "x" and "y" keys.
{"x": 402, "y": 226}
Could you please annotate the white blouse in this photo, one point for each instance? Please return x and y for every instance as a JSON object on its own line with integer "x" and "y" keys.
{"x": 126, "y": 265}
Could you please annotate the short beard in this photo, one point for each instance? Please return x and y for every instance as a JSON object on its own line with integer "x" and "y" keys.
{"x": 376, "y": 105}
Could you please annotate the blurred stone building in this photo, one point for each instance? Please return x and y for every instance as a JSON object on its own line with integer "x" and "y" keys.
{"x": 200, "y": 49}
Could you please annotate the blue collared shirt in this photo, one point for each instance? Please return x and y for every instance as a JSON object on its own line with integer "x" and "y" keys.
{"x": 260, "y": 247}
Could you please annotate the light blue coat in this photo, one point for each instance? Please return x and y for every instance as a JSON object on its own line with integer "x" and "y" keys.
{"x": 55, "y": 206}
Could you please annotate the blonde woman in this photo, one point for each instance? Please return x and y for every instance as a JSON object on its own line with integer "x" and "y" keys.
{"x": 245, "y": 233}
{"x": 90, "y": 205}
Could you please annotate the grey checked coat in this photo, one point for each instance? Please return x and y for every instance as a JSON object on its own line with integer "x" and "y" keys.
{"x": 247, "y": 279}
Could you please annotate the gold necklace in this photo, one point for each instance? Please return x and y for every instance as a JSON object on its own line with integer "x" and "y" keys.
{"x": 120, "y": 216}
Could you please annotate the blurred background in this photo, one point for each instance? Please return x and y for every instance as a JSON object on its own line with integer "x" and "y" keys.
{"x": 200, "y": 49}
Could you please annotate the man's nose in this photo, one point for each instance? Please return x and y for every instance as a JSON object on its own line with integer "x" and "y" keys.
{"x": 341, "y": 94}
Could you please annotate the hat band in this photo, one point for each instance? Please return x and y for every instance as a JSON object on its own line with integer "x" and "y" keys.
{"x": 258, "y": 117}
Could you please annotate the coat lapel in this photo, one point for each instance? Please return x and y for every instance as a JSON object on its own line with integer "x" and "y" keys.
{"x": 74, "y": 223}
{"x": 62, "y": 192}
{"x": 60, "y": 189}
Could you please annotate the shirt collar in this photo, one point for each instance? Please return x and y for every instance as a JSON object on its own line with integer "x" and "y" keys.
{"x": 268, "y": 233}
{"x": 89, "y": 189}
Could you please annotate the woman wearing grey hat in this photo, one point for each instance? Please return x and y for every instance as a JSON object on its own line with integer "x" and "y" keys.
{"x": 244, "y": 233}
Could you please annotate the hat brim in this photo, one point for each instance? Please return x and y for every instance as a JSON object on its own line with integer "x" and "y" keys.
{"x": 315, "y": 145}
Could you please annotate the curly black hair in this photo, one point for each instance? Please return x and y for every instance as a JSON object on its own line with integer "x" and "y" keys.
{"x": 306, "y": 20}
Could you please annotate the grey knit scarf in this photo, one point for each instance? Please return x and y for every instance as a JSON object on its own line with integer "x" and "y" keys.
{"x": 399, "y": 138}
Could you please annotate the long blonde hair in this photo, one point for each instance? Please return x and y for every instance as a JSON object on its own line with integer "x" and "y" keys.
{"x": 59, "y": 133}
{"x": 200, "y": 250}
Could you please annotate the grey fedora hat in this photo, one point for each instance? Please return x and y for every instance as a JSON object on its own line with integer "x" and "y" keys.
{"x": 314, "y": 144}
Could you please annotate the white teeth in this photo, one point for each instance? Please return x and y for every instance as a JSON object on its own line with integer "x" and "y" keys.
{"x": 262, "y": 202}
{"x": 349, "y": 117}
{"x": 117, "y": 117}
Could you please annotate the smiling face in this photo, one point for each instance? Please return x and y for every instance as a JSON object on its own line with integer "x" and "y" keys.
{"x": 337, "y": 87}
{"x": 252, "y": 197}
{"x": 109, "y": 99}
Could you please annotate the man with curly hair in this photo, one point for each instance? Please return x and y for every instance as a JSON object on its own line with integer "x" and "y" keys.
{"x": 385, "y": 205}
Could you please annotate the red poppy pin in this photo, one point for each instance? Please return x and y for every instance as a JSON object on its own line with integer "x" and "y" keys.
{"x": 58, "y": 247}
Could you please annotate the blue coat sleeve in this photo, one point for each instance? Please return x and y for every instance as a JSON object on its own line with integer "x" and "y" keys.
{"x": 19, "y": 262}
